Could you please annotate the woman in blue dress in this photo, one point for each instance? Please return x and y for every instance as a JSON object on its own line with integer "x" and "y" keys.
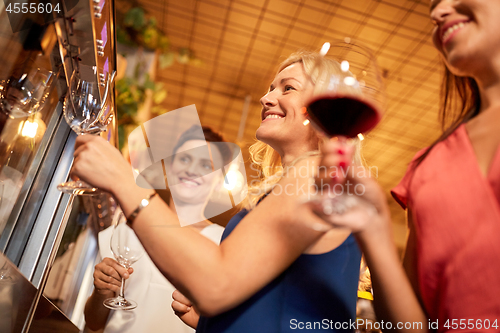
{"x": 273, "y": 272}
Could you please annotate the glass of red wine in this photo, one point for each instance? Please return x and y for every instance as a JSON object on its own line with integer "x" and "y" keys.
{"x": 348, "y": 101}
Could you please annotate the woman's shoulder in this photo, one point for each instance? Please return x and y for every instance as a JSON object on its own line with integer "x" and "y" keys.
{"x": 457, "y": 135}
{"x": 426, "y": 160}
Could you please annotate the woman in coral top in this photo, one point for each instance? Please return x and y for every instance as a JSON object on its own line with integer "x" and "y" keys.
{"x": 451, "y": 191}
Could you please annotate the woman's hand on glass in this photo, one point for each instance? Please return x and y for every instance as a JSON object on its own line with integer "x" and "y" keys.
{"x": 184, "y": 309}
{"x": 354, "y": 186}
{"x": 108, "y": 276}
{"x": 100, "y": 164}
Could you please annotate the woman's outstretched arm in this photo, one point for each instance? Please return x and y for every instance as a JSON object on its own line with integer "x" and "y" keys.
{"x": 215, "y": 278}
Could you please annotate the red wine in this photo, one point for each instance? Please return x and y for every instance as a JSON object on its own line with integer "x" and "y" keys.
{"x": 343, "y": 115}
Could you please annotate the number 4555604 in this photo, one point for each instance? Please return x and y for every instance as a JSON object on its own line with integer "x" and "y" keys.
{"x": 32, "y": 8}
{"x": 470, "y": 324}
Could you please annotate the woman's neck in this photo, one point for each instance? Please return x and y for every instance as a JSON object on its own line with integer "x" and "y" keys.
{"x": 488, "y": 81}
{"x": 490, "y": 97}
{"x": 292, "y": 152}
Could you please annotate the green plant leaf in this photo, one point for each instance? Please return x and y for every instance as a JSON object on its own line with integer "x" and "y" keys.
{"x": 135, "y": 18}
{"x": 150, "y": 37}
{"x": 148, "y": 84}
{"x": 160, "y": 95}
{"x": 163, "y": 43}
{"x": 166, "y": 59}
{"x": 123, "y": 37}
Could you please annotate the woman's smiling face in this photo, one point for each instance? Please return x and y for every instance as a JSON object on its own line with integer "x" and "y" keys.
{"x": 281, "y": 115}
{"x": 466, "y": 34}
{"x": 191, "y": 176}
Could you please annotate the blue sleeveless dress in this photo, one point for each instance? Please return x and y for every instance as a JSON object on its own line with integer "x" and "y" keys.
{"x": 317, "y": 293}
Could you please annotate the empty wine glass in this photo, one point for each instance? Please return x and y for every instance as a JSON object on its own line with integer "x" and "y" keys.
{"x": 127, "y": 249}
{"x": 86, "y": 113}
{"x": 42, "y": 80}
{"x": 26, "y": 95}
{"x": 347, "y": 102}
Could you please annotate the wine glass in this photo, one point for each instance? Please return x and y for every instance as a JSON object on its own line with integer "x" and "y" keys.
{"x": 346, "y": 103}
{"x": 86, "y": 113}
{"x": 42, "y": 82}
{"x": 24, "y": 95}
{"x": 127, "y": 249}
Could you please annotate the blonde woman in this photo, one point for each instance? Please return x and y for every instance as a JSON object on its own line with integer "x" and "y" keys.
{"x": 272, "y": 272}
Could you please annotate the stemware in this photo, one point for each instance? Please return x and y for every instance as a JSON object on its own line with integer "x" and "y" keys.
{"x": 349, "y": 101}
{"x": 24, "y": 95}
{"x": 86, "y": 113}
{"x": 345, "y": 104}
{"x": 127, "y": 249}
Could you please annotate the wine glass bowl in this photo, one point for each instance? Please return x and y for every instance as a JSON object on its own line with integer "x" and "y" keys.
{"x": 349, "y": 96}
{"x": 86, "y": 112}
{"x": 348, "y": 100}
{"x": 16, "y": 96}
{"x": 127, "y": 249}
{"x": 83, "y": 106}
{"x": 125, "y": 245}
{"x": 25, "y": 95}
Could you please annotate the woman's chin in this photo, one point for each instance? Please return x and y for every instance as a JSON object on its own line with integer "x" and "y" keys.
{"x": 184, "y": 194}
{"x": 265, "y": 135}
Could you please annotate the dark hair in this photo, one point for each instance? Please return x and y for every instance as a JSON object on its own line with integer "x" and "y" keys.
{"x": 194, "y": 133}
{"x": 460, "y": 102}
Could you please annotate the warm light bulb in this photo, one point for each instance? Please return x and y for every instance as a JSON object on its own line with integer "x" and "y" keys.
{"x": 324, "y": 49}
{"x": 29, "y": 129}
{"x": 344, "y": 66}
{"x": 361, "y": 137}
{"x": 349, "y": 80}
{"x": 306, "y": 122}
{"x": 230, "y": 180}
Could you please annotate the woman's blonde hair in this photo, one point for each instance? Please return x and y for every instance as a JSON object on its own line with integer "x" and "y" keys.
{"x": 270, "y": 168}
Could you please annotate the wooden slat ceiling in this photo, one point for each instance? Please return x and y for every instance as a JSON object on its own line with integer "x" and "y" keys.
{"x": 241, "y": 42}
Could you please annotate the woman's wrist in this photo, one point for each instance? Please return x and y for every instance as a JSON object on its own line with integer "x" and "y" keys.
{"x": 123, "y": 187}
{"x": 130, "y": 196}
{"x": 143, "y": 204}
{"x": 128, "y": 190}
{"x": 100, "y": 296}
{"x": 378, "y": 230}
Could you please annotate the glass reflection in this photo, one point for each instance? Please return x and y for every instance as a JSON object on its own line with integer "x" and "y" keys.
{"x": 26, "y": 106}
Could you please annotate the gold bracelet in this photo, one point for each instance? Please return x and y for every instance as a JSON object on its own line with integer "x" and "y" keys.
{"x": 144, "y": 203}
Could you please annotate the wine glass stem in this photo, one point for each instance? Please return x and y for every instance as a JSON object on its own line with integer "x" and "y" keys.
{"x": 122, "y": 288}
